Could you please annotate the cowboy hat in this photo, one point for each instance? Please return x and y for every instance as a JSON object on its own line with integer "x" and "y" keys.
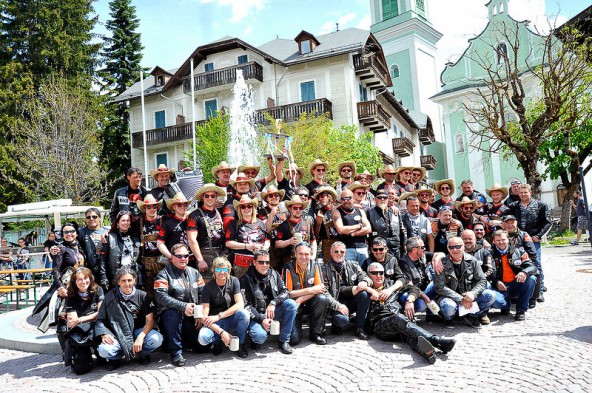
{"x": 350, "y": 164}
{"x": 242, "y": 178}
{"x": 149, "y": 200}
{"x": 326, "y": 189}
{"x": 161, "y": 169}
{"x": 439, "y": 184}
{"x": 387, "y": 169}
{"x": 209, "y": 187}
{"x": 271, "y": 189}
{"x": 406, "y": 195}
{"x": 465, "y": 201}
{"x": 243, "y": 168}
{"x": 293, "y": 167}
{"x": 245, "y": 200}
{"x": 401, "y": 169}
{"x": 179, "y": 198}
{"x": 355, "y": 185}
{"x": 316, "y": 163}
{"x": 423, "y": 189}
{"x": 365, "y": 173}
{"x": 223, "y": 165}
{"x": 497, "y": 187}
{"x": 423, "y": 171}
{"x": 296, "y": 201}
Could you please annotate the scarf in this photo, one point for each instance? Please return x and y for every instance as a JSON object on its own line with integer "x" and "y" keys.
{"x": 127, "y": 297}
{"x": 338, "y": 266}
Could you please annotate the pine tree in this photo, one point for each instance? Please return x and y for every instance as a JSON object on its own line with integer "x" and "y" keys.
{"x": 121, "y": 55}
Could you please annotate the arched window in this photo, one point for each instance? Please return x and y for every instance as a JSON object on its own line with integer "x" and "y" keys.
{"x": 394, "y": 71}
{"x": 459, "y": 143}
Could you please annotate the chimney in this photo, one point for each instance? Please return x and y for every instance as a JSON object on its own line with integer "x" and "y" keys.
{"x": 337, "y": 26}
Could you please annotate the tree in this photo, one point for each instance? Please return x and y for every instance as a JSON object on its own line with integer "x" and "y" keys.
{"x": 121, "y": 55}
{"x": 59, "y": 146}
{"x": 553, "y": 80}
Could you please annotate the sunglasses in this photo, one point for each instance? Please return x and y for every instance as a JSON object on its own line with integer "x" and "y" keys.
{"x": 445, "y": 188}
{"x": 382, "y": 197}
{"x": 181, "y": 256}
{"x": 421, "y": 247}
{"x": 250, "y": 172}
{"x": 246, "y": 207}
{"x": 221, "y": 270}
{"x": 338, "y": 252}
{"x": 210, "y": 196}
{"x": 320, "y": 170}
{"x": 70, "y": 232}
{"x": 297, "y": 208}
{"x": 376, "y": 273}
{"x": 303, "y": 195}
{"x": 346, "y": 170}
{"x": 406, "y": 173}
{"x": 478, "y": 230}
{"x": 92, "y": 217}
{"x": 273, "y": 195}
{"x": 455, "y": 247}
{"x": 423, "y": 194}
{"x": 346, "y": 198}
{"x": 263, "y": 262}
{"x": 182, "y": 204}
{"x": 360, "y": 192}
{"x": 381, "y": 249}
{"x": 151, "y": 207}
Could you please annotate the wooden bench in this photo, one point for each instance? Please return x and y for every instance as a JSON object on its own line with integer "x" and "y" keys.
{"x": 4, "y": 294}
{"x": 9, "y": 290}
{"x": 44, "y": 281}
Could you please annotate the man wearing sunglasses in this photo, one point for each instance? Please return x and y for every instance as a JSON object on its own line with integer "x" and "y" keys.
{"x": 390, "y": 322}
{"x": 126, "y": 197}
{"x": 347, "y": 289}
{"x": 386, "y": 223}
{"x": 353, "y": 226}
{"x": 445, "y": 228}
{"x": 380, "y": 253}
{"x": 148, "y": 228}
{"x": 347, "y": 174}
{"x": 295, "y": 229}
{"x": 267, "y": 300}
{"x": 462, "y": 284}
{"x": 251, "y": 171}
{"x": 317, "y": 170}
{"x": 91, "y": 238}
{"x": 174, "y": 227}
{"x": 445, "y": 188}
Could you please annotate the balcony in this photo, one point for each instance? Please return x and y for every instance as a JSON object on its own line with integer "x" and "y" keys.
{"x": 291, "y": 112}
{"x": 223, "y": 76}
{"x": 374, "y": 116}
{"x": 369, "y": 69}
{"x": 403, "y": 147}
{"x": 428, "y": 162}
{"x": 426, "y": 136}
{"x": 162, "y": 135}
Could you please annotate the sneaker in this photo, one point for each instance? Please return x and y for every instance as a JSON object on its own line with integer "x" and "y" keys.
{"x": 573, "y": 243}
{"x": 144, "y": 359}
{"x": 113, "y": 365}
{"x": 520, "y": 316}
{"x": 505, "y": 311}
{"x": 178, "y": 360}
{"x": 543, "y": 288}
{"x": 471, "y": 321}
{"x": 484, "y": 319}
{"x": 541, "y": 298}
{"x": 361, "y": 334}
{"x": 449, "y": 323}
{"x": 532, "y": 303}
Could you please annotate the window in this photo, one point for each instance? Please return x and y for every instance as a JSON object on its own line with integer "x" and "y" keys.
{"x": 307, "y": 91}
{"x": 419, "y": 4}
{"x": 394, "y": 71}
{"x": 209, "y": 67}
{"x": 210, "y": 108}
{"x": 162, "y": 158}
{"x": 459, "y": 143}
{"x": 159, "y": 119}
{"x": 363, "y": 93}
{"x": 502, "y": 53}
{"x": 305, "y": 47}
{"x": 390, "y": 9}
{"x": 160, "y": 80}
{"x": 395, "y": 130}
{"x": 242, "y": 59}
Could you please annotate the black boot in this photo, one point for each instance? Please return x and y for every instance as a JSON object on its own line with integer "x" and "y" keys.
{"x": 425, "y": 349}
{"x": 442, "y": 343}
{"x": 242, "y": 351}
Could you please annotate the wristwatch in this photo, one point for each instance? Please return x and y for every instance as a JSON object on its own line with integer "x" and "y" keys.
{"x": 409, "y": 301}
{"x": 273, "y": 303}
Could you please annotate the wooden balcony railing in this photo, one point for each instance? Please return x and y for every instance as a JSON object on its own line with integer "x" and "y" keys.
{"x": 369, "y": 67}
{"x": 426, "y": 136}
{"x": 428, "y": 162}
{"x": 403, "y": 147}
{"x": 157, "y": 136}
{"x": 374, "y": 116}
{"x": 223, "y": 76}
{"x": 292, "y": 112}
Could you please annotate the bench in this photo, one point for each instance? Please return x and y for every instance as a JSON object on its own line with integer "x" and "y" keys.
{"x": 9, "y": 290}
{"x": 44, "y": 281}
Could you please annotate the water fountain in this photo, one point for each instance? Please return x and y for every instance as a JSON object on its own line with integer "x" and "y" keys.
{"x": 243, "y": 136}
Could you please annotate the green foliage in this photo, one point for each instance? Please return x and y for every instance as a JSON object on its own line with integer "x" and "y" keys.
{"x": 213, "y": 139}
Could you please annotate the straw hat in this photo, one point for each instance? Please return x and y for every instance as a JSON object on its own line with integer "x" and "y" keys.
{"x": 387, "y": 169}
{"x": 439, "y": 184}
{"x": 271, "y": 189}
{"x": 209, "y": 187}
{"x": 243, "y": 168}
{"x": 423, "y": 171}
{"x": 365, "y": 173}
{"x": 242, "y": 178}
{"x": 293, "y": 167}
{"x": 296, "y": 201}
{"x": 161, "y": 169}
{"x": 406, "y": 195}
{"x": 350, "y": 164}
{"x": 179, "y": 198}
{"x": 328, "y": 189}
{"x": 148, "y": 200}
{"x": 401, "y": 169}
{"x": 423, "y": 189}
{"x": 223, "y": 165}
{"x": 355, "y": 185}
{"x": 497, "y": 187}
{"x": 465, "y": 201}
{"x": 316, "y": 163}
{"x": 245, "y": 200}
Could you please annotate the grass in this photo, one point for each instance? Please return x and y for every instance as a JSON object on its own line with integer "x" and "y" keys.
{"x": 562, "y": 239}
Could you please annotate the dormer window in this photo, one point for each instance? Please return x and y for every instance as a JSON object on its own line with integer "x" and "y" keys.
{"x": 159, "y": 80}
{"x": 161, "y": 76}
{"x": 305, "y": 47}
{"x": 306, "y": 42}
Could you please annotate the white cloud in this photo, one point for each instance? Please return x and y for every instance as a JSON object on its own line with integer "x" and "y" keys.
{"x": 342, "y": 20}
{"x": 240, "y": 8}
{"x": 248, "y": 31}
{"x": 364, "y": 23}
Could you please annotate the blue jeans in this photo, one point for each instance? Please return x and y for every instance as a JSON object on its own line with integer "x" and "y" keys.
{"x": 152, "y": 341}
{"x": 359, "y": 254}
{"x": 539, "y": 261}
{"x": 178, "y": 329}
{"x": 285, "y": 313}
{"x": 420, "y": 304}
{"x": 520, "y": 291}
{"x": 449, "y": 308}
{"x": 359, "y": 304}
{"x": 236, "y": 324}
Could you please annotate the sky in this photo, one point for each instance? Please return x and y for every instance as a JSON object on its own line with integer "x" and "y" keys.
{"x": 172, "y": 29}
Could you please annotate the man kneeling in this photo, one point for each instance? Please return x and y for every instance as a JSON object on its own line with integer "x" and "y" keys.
{"x": 387, "y": 321}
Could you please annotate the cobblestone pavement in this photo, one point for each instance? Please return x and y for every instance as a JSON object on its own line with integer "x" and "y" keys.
{"x": 550, "y": 351}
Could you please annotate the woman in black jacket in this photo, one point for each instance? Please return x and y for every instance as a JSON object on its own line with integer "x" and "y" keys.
{"x": 122, "y": 248}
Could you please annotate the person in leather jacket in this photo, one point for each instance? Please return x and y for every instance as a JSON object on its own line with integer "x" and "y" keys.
{"x": 122, "y": 249}
{"x": 178, "y": 292}
{"x": 416, "y": 271}
{"x": 514, "y": 276}
{"x": 267, "y": 300}
{"x": 91, "y": 239}
{"x": 126, "y": 197}
{"x": 386, "y": 224}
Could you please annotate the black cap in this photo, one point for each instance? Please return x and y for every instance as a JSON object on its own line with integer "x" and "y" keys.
{"x": 381, "y": 192}
{"x": 508, "y": 218}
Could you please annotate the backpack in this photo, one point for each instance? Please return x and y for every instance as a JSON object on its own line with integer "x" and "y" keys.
{"x": 77, "y": 353}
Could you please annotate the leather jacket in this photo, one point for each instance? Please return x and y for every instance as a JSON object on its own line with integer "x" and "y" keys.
{"x": 534, "y": 219}
{"x": 94, "y": 259}
{"x": 484, "y": 256}
{"x": 472, "y": 278}
{"x": 392, "y": 271}
{"x": 169, "y": 287}
{"x": 521, "y": 239}
{"x": 388, "y": 225}
{"x": 424, "y": 222}
{"x": 415, "y": 272}
{"x": 332, "y": 280}
{"x": 517, "y": 259}
{"x": 379, "y": 310}
{"x": 254, "y": 297}
{"x": 121, "y": 202}
{"x": 113, "y": 253}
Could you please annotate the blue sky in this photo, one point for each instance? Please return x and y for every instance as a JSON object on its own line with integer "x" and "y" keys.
{"x": 172, "y": 29}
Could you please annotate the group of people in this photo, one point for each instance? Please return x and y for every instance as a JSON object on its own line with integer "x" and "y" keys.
{"x": 251, "y": 258}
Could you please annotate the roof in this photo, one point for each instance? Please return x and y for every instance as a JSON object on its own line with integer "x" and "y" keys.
{"x": 149, "y": 88}
{"x": 398, "y": 106}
